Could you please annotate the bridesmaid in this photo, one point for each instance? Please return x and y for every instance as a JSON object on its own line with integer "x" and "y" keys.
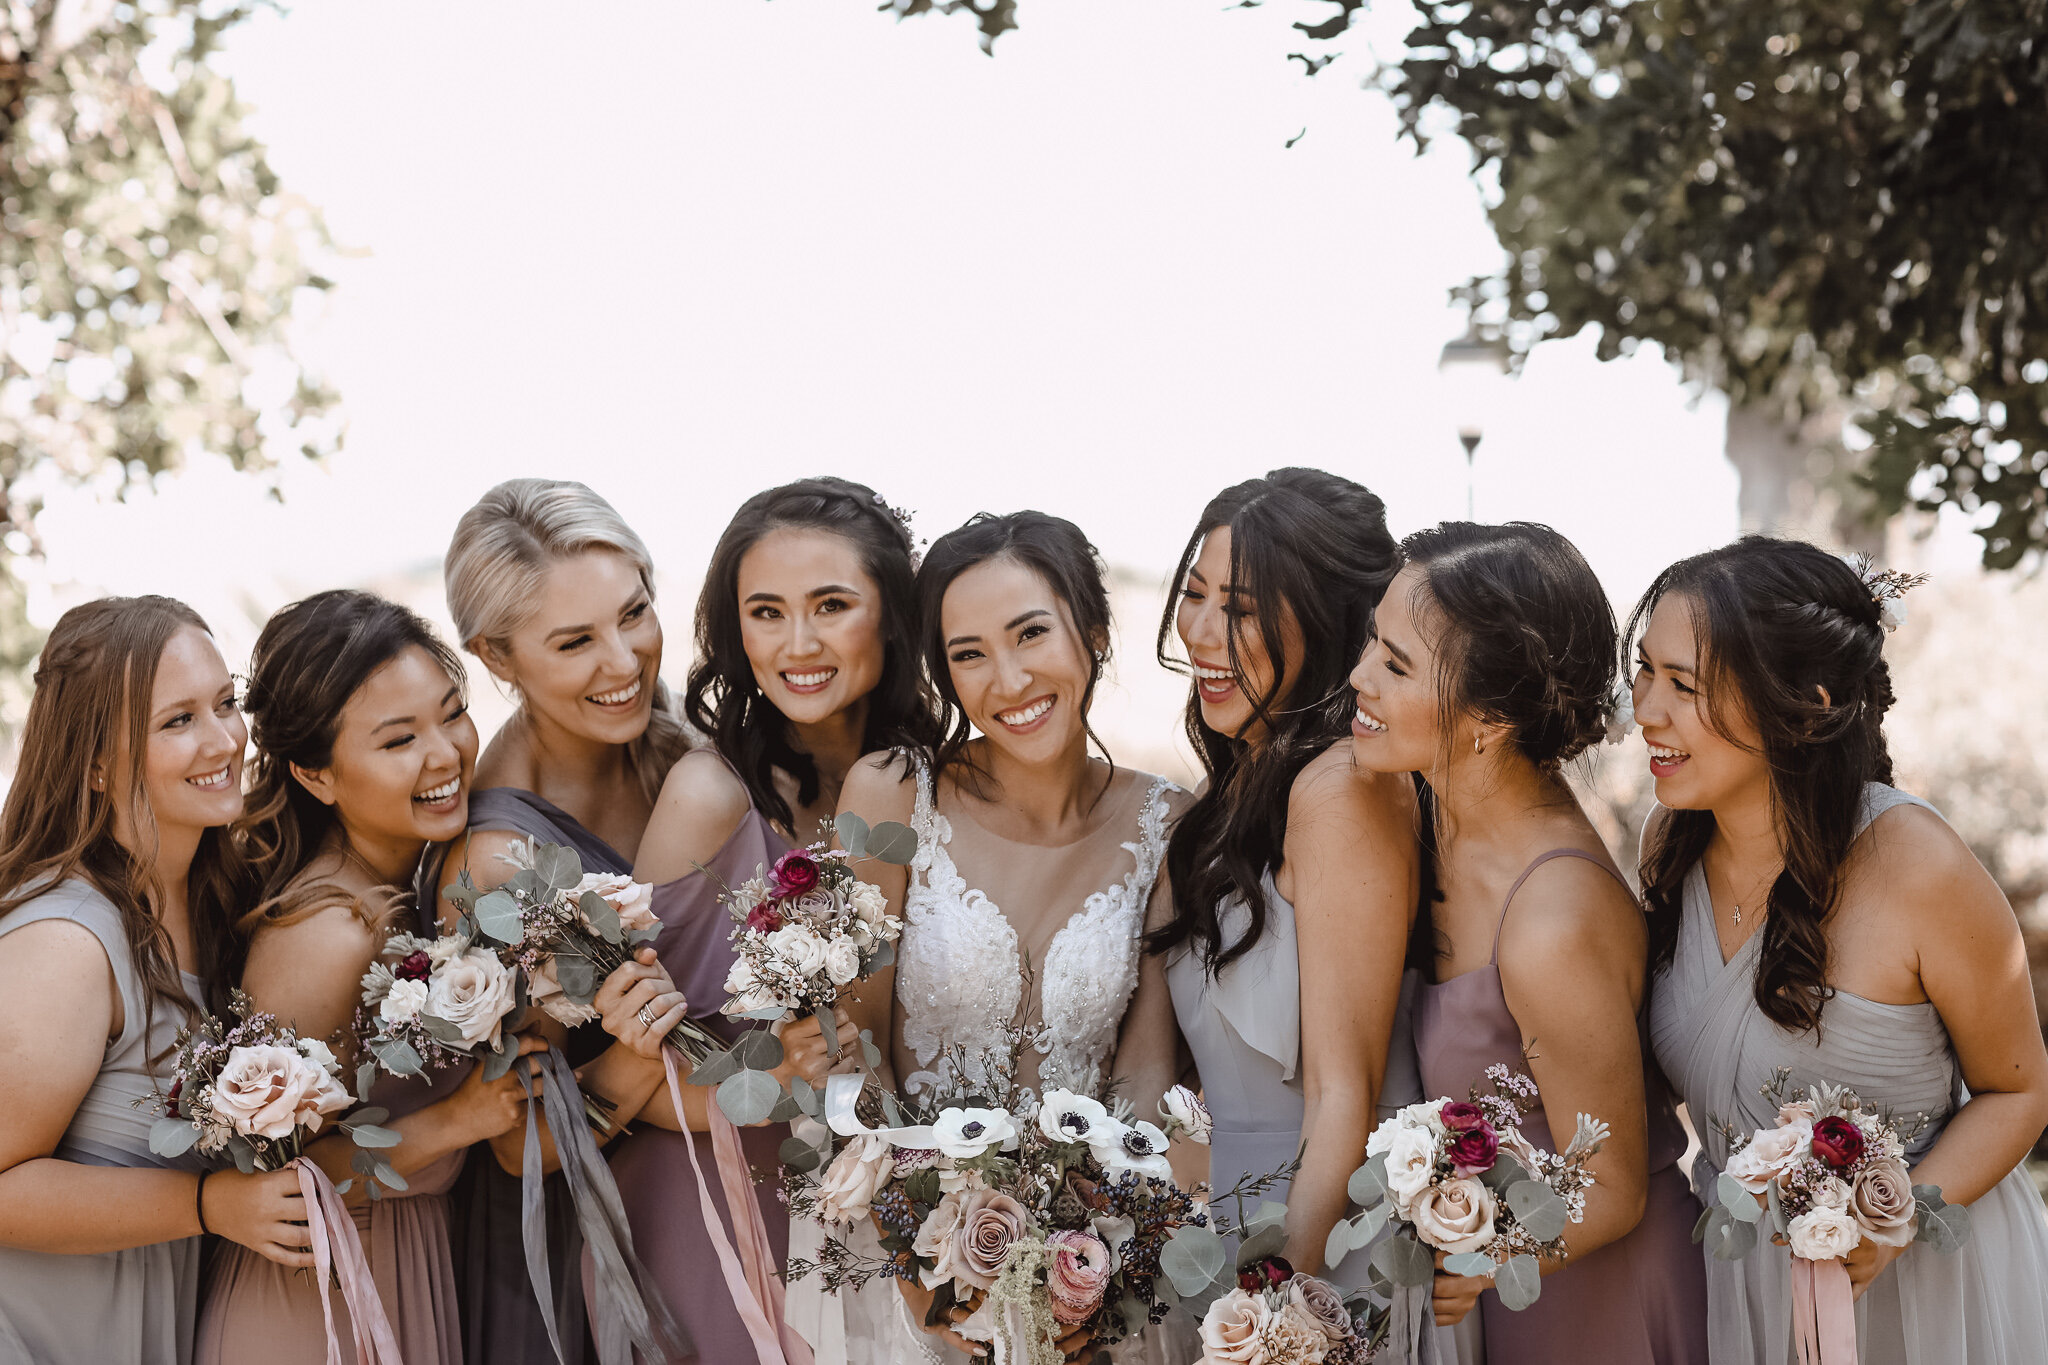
{"x": 1805, "y": 914}
{"x": 806, "y": 659}
{"x": 555, "y": 593}
{"x": 365, "y": 752}
{"x": 1493, "y": 666}
{"x": 113, "y": 935}
{"x": 1294, "y": 877}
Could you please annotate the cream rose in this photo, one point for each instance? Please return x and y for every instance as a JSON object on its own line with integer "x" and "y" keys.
{"x": 544, "y": 989}
{"x": 474, "y": 992}
{"x": 266, "y": 1091}
{"x": 1832, "y": 1193}
{"x": 1769, "y": 1154}
{"x": 797, "y": 946}
{"x": 1883, "y": 1202}
{"x": 853, "y": 1179}
{"x": 934, "y": 1240}
{"x": 633, "y": 900}
{"x": 1823, "y": 1234}
{"x": 1454, "y": 1217}
{"x": 870, "y": 906}
{"x": 1234, "y": 1328}
{"x": 319, "y": 1054}
{"x": 842, "y": 961}
{"x": 402, "y": 1002}
{"x": 1411, "y": 1161}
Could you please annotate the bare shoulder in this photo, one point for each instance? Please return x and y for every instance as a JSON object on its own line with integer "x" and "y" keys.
{"x": 482, "y": 853}
{"x": 1927, "y": 874}
{"x": 1570, "y": 912}
{"x": 334, "y": 931}
{"x": 1333, "y": 793}
{"x": 881, "y": 786}
{"x": 59, "y": 952}
{"x": 701, "y": 803}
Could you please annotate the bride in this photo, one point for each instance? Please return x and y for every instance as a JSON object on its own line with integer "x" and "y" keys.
{"x": 1035, "y": 860}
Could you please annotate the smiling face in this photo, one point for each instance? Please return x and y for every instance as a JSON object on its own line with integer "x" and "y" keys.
{"x": 403, "y": 756}
{"x": 1216, "y": 615}
{"x": 1398, "y": 727}
{"x": 811, "y": 622}
{"x": 1696, "y": 767}
{"x": 1018, "y": 665}
{"x": 193, "y": 741}
{"x": 588, "y": 658}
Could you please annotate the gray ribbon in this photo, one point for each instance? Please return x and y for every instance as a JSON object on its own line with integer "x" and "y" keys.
{"x": 1411, "y": 1328}
{"x": 628, "y": 1311}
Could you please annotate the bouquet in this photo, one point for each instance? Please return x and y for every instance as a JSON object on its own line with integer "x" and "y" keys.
{"x": 1830, "y": 1175}
{"x": 1279, "y": 1317}
{"x": 1457, "y": 1176}
{"x": 249, "y": 1090}
{"x": 427, "y": 1002}
{"x": 1039, "y": 1216}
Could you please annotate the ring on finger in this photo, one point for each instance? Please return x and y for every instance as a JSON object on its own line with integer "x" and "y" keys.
{"x": 646, "y": 1016}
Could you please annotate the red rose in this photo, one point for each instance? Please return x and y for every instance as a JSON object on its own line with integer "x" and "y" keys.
{"x": 764, "y": 918}
{"x": 1837, "y": 1142}
{"x": 171, "y": 1100}
{"x": 416, "y": 967}
{"x": 1473, "y": 1150}
{"x": 1270, "y": 1273}
{"x": 1460, "y": 1115}
{"x": 794, "y": 873}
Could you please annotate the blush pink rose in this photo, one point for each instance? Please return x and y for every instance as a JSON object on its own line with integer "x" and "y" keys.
{"x": 1077, "y": 1276}
{"x": 989, "y": 1223}
{"x": 1883, "y": 1202}
{"x": 1234, "y": 1329}
{"x": 266, "y": 1092}
{"x": 1454, "y": 1216}
{"x": 633, "y": 900}
{"x": 855, "y": 1176}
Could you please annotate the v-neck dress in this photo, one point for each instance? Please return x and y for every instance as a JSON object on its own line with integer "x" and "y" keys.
{"x": 1639, "y": 1300}
{"x": 1986, "y": 1304}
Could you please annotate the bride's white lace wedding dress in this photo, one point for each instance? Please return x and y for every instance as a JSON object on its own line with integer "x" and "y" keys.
{"x": 972, "y": 927}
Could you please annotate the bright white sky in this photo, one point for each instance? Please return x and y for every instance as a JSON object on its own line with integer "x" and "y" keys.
{"x": 683, "y": 251}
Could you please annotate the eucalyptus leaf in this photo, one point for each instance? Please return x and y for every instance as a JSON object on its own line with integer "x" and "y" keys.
{"x": 1944, "y": 1226}
{"x": 244, "y": 1155}
{"x": 806, "y": 1097}
{"x": 794, "y": 1150}
{"x": 1736, "y": 1199}
{"x": 1470, "y": 1263}
{"x": 603, "y": 918}
{"x": 397, "y": 1056}
{"x": 1781, "y": 1222}
{"x": 786, "y": 1109}
{"x": 1192, "y": 1258}
{"x": 853, "y": 833}
{"x": 557, "y": 866}
{"x": 715, "y": 1069}
{"x": 1731, "y": 1240}
{"x": 172, "y": 1137}
{"x": 868, "y": 1049}
{"x": 1503, "y": 1173}
{"x": 1270, "y": 1213}
{"x": 891, "y": 1111}
{"x": 1267, "y": 1241}
{"x": 1705, "y": 1221}
{"x": 525, "y": 882}
{"x": 1404, "y": 1261}
{"x": 578, "y": 977}
{"x": 362, "y": 1163}
{"x": 345, "y": 1186}
{"x": 366, "y": 1077}
{"x": 370, "y": 1135}
{"x": 758, "y": 1050}
{"x": 828, "y": 1029}
{"x": 1368, "y": 1184}
{"x": 1338, "y": 1244}
{"x": 922, "y": 1187}
{"x": 390, "y": 1179}
{"x": 439, "y": 1029}
{"x": 892, "y": 842}
{"x": 884, "y": 955}
{"x": 462, "y": 894}
{"x": 748, "y": 1097}
{"x": 498, "y": 1061}
{"x": 1538, "y": 1209}
{"x": 497, "y": 916}
{"x": 1519, "y": 1282}
{"x": 373, "y": 1113}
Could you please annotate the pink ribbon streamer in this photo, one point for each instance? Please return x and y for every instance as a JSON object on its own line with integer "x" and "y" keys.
{"x": 1823, "y": 1313}
{"x": 336, "y": 1247}
{"x": 750, "y": 1271}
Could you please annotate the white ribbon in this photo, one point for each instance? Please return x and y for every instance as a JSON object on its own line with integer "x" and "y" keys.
{"x": 842, "y": 1094}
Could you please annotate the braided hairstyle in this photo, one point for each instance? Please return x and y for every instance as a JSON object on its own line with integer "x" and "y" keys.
{"x": 1789, "y": 639}
{"x": 722, "y": 698}
{"x": 1317, "y": 546}
{"x": 1526, "y": 641}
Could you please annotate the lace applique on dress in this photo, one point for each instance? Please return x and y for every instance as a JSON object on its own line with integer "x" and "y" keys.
{"x": 960, "y": 971}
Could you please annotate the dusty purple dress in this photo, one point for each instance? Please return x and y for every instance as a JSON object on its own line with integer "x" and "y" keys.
{"x": 651, "y": 1165}
{"x": 1641, "y": 1300}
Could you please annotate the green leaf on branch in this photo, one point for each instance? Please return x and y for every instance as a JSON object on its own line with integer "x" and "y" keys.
{"x": 853, "y": 833}
{"x": 892, "y": 842}
{"x": 370, "y": 1135}
{"x": 1519, "y": 1282}
{"x": 172, "y": 1137}
{"x": 1470, "y": 1263}
{"x": 758, "y": 1049}
{"x": 714, "y": 1070}
{"x": 397, "y": 1056}
{"x": 604, "y": 919}
{"x": 1739, "y": 1202}
{"x": 557, "y": 866}
{"x": 748, "y": 1097}
{"x": 1368, "y": 1184}
{"x": 497, "y": 915}
{"x": 1192, "y": 1259}
{"x": 1404, "y": 1261}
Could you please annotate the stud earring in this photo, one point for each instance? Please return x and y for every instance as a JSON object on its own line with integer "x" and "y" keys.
{"x": 1476, "y": 747}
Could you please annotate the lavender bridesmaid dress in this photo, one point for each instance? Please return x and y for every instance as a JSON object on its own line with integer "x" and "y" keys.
{"x": 652, "y": 1165}
{"x": 1637, "y": 1301}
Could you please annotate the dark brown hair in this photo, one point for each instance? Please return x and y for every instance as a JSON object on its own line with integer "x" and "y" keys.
{"x": 312, "y": 657}
{"x": 1301, "y": 542}
{"x": 92, "y": 689}
{"x": 722, "y": 697}
{"x": 1774, "y": 623}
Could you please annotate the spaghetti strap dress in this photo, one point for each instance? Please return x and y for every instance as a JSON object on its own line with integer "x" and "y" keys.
{"x": 501, "y": 1321}
{"x": 131, "y": 1307}
{"x": 257, "y": 1312}
{"x": 1640, "y": 1300}
{"x": 651, "y": 1165}
{"x": 1987, "y": 1304}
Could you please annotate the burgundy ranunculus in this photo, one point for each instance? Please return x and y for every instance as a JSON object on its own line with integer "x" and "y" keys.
{"x": 1270, "y": 1273}
{"x": 1837, "y": 1142}
{"x": 794, "y": 873}
{"x": 416, "y": 967}
{"x": 171, "y": 1100}
{"x": 1473, "y": 1150}
{"x": 764, "y": 918}
{"x": 1460, "y": 1115}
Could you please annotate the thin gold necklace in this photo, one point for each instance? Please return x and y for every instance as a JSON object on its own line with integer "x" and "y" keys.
{"x": 1770, "y": 880}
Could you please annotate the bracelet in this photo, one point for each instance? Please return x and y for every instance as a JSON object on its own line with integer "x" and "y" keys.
{"x": 199, "y": 1203}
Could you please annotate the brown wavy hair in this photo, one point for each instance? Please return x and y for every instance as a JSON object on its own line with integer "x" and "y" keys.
{"x": 92, "y": 688}
{"x": 1774, "y": 623}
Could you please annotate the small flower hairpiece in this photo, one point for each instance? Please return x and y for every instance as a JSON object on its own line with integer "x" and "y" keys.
{"x": 1887, "y": 588}
{"x": 1621, "y": 715}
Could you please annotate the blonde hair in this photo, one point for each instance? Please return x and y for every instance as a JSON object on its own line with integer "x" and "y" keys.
{"x": 499, "y": 559}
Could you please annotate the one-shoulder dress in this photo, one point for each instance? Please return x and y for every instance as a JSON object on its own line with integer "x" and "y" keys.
{"x": 131, "y": 1307}
{"x": 257, "y": 1312}
{"x": 652, "y": 1165}
{"x": 1986, "y": 1304}
{"x": 501, "y": 1320}
{"x": 1636, "y": 1301}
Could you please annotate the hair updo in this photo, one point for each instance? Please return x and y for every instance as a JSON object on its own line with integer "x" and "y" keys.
{"x": 722, "y": 697}
{"x": 1528, "y": 641}
{"x": 1789, "y": 638}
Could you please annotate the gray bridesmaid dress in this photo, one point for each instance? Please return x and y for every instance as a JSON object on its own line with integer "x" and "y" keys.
{"x": 132, "y": 1307}
{"x": 1985, "y": 1305}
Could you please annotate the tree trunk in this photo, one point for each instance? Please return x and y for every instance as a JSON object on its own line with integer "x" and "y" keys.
{"x": 1793, "y": 479}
